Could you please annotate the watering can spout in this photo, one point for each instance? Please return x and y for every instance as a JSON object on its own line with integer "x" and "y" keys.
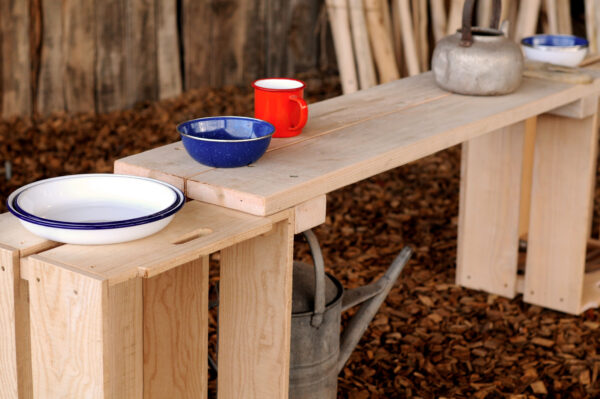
{"x": 371, "y": 297}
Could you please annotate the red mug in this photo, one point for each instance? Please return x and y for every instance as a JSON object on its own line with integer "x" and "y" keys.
{"x": 279, "y": 101}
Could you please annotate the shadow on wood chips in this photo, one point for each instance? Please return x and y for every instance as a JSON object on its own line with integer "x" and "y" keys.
{"x": 431, "y": 339}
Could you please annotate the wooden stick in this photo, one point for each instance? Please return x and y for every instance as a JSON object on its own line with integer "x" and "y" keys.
{"x": 510, "y": 12}
{"x": 552, "y": 16}
{"x": 381, "y": 43}
{"x": 527, "y": 19}
{"x": 484, "y": 13}
{"x": 362, "y": 50}
{"x": 398, "y": 49}
{"x": 423, "y": 40}
{"x": 438, "y": 18}
{"x": 590, "y": 25}
{"x": 410, "y": 51}
{"x": 564, "y": 17}
{"x": 340, "y": 28}
{"x": 454, "y": 16}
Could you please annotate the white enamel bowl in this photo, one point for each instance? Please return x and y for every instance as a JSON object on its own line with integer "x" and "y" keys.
{"x": 565, "y": 50}
{"x": 95, "y": 208}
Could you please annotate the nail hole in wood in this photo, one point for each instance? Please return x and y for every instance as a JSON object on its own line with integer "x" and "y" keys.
{"x": 505, "y": 285}
{"x": 37, "y": 279}
{"x": 192, "y": 235}
{"x": 531, "y": 292}
{"x": 75, "y": 292}
{"x": 468, "y": 277}
{"x": 293, "y": 175}
{"x": 3, "y": 268}
{"x": 92, "y": 266}
{"x": 562, "y": 299}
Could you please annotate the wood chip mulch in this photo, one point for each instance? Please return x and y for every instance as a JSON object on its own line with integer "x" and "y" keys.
{"x": 431, "y": 339}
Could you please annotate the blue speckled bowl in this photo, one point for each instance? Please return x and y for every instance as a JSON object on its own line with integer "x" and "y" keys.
{"x": 226, "y": 141}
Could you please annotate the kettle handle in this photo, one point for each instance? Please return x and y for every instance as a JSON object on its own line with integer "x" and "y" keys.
{"x": 467, "y": 20}
{"x": 317, "y": 256}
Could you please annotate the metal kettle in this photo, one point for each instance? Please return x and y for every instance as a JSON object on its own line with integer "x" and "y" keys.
{"x": 478, "y": 61}
{"x": 318, "y": 300}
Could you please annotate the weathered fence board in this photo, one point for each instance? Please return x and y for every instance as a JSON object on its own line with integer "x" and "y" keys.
{"x": 16, "y": 81}
{"x": 106, "y": 55}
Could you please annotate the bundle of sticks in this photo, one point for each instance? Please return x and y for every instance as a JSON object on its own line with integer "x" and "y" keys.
{"x": 377, "y": 41}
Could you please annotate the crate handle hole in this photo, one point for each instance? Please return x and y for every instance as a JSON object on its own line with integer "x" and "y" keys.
{"x": 192, "y": 235}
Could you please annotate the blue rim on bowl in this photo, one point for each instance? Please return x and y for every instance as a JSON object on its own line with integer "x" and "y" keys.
{"x": 15, "y": 209}
{"x": 218, "y": 118}
{"x": 555, "y": 42}
{"x": 226, "y": 141}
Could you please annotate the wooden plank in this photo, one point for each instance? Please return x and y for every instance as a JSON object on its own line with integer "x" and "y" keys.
{"x": 14, "y": 235}
{"x": 342, "y": 40}
{"x": 124, "y": 347}
{"x": 591, "y": 28}
{"x": 397, "y": 38}
{"x": 141, "y": 71}
{"x": 302, "y": 39}
{"x": 438, "y": 19}
{"x": 172, "y": 164}
{"x": 79, "y": 323}
{"x": 197, "y": 37}
{"x": 455, "y": 16}
{"x": 197, "y": 230}
{"x": 526, "y": 175}
{"x": 15, "y": 346}
{"x": 50, "y": 95}
{"x": 78, "y": 44}
{"x": 561, "y": 204}
{"x": 527, "y": 19}
{"x": 552, "y": 15}
{"x": 110, "y": 55}
{"x": 310, "y": 214}
{"x": 67, "y": 311}
{"x": 255, "y": 315}
{"x": 15, "y": 55}
{"x": 167, "y": 49}
{"x": 488, "y": 229}
{"x": 381, "y": 42}
{"x": 563, "y": 12}
{"x": 484, "y": 13}
{"x": 579, "y": 109}
{"x": 401, "y": 137}
{"x": 408, "y": 38}
{"x": 422, "y": 34}
{"x": 175, "y": 359}
{"x": 362, "y": 49}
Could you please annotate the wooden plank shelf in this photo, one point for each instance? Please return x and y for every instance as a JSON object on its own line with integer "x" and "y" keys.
{"x": 356, "y": 136}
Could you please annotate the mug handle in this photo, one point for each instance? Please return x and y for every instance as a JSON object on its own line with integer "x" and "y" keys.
{"x": 303, "y": 112}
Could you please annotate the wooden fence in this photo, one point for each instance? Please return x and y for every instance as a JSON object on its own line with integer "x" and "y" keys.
{"x": 103, "y": 55}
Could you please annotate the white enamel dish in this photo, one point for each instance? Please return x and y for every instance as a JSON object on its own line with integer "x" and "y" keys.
{"x": 565, "y": 50}
{"x": 95, "y": 208}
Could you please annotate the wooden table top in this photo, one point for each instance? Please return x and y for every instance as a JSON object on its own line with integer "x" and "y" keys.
{"x": 353, "y": 137}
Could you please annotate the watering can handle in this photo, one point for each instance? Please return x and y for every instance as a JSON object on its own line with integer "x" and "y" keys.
{"x": 467, "y": 20}
{"x": 317, "y": 256}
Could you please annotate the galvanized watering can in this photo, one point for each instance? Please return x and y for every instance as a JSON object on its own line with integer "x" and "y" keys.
{"x": 478, "y": 61}
{"x": 317, "y": 356}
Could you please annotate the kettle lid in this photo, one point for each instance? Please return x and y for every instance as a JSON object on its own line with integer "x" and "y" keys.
{"x": 303, "y": 291}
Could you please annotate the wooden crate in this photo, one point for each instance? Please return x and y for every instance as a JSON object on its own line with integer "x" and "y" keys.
{"x": 130, "y": 320}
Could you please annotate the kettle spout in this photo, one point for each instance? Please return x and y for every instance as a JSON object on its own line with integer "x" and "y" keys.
{"x": 374, "y": 295}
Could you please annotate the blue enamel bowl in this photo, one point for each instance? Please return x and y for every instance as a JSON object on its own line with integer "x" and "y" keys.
{"x": 226, "y": 141}
{"x": 565, "y": 50}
